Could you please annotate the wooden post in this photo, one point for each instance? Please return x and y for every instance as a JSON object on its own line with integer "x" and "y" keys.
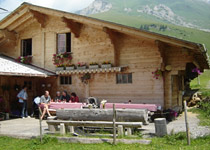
{"x": 198, "y": 80}
{"x": 114, "y": 125}
{"x": 186, "y": 122}
{"x": 40, "y": 123}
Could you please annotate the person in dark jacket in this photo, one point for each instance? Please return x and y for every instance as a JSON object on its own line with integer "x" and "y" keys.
{"x": 58, "y": 96}
{"x": 65, "y": 96}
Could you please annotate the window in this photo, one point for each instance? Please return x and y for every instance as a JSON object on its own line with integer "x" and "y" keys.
{"x": 64, "y": 80}
{"x": 64, "y": 42}
{"x": 26, "y": 47}
{"x": 124, "y": 78}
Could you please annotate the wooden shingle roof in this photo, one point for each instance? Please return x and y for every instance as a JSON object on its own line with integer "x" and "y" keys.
{"x": 10, "y": 67}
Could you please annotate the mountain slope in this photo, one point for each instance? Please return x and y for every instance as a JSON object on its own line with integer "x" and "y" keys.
{"x": 188, "y": 13}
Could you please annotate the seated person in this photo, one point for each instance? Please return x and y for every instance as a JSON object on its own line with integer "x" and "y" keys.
{"x": 65, "y": 96}
{"x": 45, "y": 101}
{"x": 74, "y": 98}
{"x": 58, "y": 96}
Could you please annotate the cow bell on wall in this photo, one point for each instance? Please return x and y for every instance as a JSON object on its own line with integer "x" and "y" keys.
{"x": 168, "y": 68}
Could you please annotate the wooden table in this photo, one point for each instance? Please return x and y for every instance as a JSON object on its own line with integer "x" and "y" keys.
{"x": 150, "y": 107}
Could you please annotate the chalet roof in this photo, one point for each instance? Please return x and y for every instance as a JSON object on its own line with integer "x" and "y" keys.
{"x": 27, "y": 13}
{"x": 10, "y": 67}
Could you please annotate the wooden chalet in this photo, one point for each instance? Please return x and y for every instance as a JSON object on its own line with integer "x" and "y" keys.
{"x": 135, "y": 55}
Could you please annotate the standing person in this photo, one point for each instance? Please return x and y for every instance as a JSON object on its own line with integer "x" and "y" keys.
{"x": 65, "y": 96}
{"x": 45, "y": 102}
{"x": 23, "y": 97}
{"x": 74, "y": 98}
{"x": 58, "y": 96}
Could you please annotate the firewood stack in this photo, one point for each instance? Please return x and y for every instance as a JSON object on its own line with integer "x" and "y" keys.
{"x": 194, "y": 100}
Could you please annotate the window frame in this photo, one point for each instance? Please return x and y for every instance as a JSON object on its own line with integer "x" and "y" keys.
{"x": 23, "y": 51}
{"x": 68, "y": 43}
{"x": 124, "y": 78}
{"x": 67, "y": 80}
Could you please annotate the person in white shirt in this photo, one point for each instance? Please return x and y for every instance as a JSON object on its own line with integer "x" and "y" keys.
{"x": 45, "y": 102}
{"x": 23, "y": 97}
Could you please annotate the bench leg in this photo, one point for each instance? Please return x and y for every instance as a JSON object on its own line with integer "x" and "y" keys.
{"x": 71, "y": 129}
{"x": 62, "y": 129}
{"x": 129, "y": 131}
{"x": 120, "y": 130}
{"x": 52, "y": 128}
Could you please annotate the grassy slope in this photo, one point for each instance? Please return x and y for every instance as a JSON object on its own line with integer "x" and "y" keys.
{"x": 175, "y": 142}
{"x": 175, "y": 31}
{"x": 193, "y": 11}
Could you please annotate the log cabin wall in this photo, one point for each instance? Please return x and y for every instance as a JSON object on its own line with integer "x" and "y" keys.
{"x": 177, "y": 58}
{"x": 94, "y": 44}
{"x": 142, "y": 57}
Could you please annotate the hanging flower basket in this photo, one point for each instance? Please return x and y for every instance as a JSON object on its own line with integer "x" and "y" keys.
{"x": 196, "y": 70}
{"x": 85, "y": 78}
{"x": 157, "y": 74}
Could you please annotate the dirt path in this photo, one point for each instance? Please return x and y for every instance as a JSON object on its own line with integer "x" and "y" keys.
{"x": 22, "y": 128}
{"x": 178, "y": 125}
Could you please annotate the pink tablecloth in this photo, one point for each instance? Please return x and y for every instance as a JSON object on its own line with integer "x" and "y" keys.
{"x": 150, "y": 107}
{"x": 62, "y": 105}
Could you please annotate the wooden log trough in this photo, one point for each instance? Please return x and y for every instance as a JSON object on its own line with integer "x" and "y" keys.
{"x": 122, "y": 115}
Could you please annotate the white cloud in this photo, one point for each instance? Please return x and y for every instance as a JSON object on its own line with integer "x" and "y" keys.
{"x": 65, "y": 5}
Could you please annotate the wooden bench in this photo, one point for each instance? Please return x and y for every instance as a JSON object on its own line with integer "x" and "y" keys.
{"x": 53, "y": 125}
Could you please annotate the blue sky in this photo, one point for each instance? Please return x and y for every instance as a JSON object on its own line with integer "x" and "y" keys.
{"x": 65, "y": 5}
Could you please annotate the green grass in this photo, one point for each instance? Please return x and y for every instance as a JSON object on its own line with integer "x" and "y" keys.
{"x": 174, "y": 142}
{"x": 204, "y": 81}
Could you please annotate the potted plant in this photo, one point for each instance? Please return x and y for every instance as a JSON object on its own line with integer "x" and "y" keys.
{"x": 106, "y": 64}
{"x": 70, "y": 67}
{"x": 24, "y": 59}
{"x": 62, "y": 60}
{"x": 81, "y": 65}
{"x": 60, "y": 67}
{"x": 85, "y": 78}
{"x": 93, "y": 65}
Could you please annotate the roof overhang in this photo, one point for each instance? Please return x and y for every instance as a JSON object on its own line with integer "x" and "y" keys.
{"x": 27, "y": 13}
{"x": 9, "y": 67}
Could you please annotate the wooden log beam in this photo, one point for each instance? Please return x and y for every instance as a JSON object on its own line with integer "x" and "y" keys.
{"x": 40, "y": 17}
{"x": 4, "y": 23}
{"x": 22, "y": 20}
{"x": 74, "y": 26}
{"x": 114, "y": 36}
{"x": 26, "y": 24}
{"x": 7, "y": 36}
{"x": 134, "y": 115}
